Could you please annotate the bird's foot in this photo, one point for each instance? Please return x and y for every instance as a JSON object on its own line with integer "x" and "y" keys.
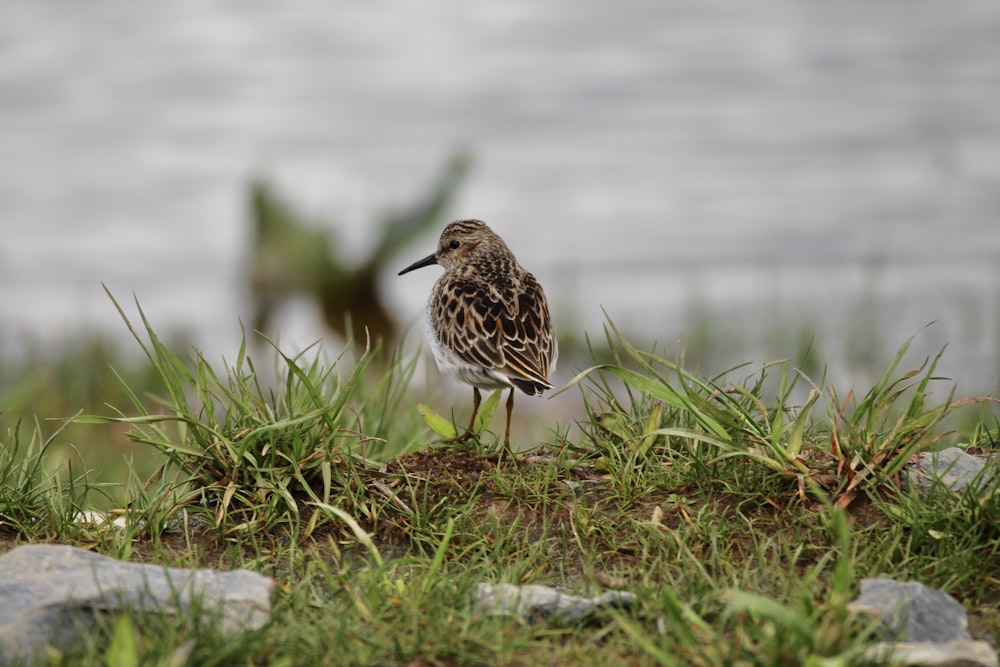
{"x": 503, "y": 452}
{"x": 458, "y": 439}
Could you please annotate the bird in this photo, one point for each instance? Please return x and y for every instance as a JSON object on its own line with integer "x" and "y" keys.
{"x": 487, "y": 320}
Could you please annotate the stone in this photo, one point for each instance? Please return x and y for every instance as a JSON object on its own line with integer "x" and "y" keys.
{"x": 921, "y": 625}
{"x": 927, "y": 654}
{"x": 950, "y": 467}
{"x": 49, "y": 593}
{"x": 910, "y": 611}
{"x": 547, "y": 603}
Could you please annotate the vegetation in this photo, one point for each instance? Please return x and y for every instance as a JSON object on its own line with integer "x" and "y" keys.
{"x": 742, "y": 512}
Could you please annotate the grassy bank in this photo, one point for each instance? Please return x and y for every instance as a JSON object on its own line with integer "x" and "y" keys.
{"x": 742, "y": 509}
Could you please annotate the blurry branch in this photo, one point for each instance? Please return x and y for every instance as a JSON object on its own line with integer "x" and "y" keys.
{"x": 294, "y": 257}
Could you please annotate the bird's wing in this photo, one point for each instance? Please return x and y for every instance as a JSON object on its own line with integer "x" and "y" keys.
{"x": 511, "y": 335}
{"x": 528, "y": 341}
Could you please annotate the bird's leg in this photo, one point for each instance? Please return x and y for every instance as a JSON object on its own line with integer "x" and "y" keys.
{"x": 476, "y": 400}
{"x": 510, "y": 409}
{"x": 506, "y": 433}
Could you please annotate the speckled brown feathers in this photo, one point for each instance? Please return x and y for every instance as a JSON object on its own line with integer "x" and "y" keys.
{"x": 487, "y": 319}
{"x": 492, "y": 320}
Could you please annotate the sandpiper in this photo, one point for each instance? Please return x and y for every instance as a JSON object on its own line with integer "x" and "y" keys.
{"x": 487, "y": 320}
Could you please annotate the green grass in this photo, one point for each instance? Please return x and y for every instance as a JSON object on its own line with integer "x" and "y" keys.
{"x": 742, "y": 509}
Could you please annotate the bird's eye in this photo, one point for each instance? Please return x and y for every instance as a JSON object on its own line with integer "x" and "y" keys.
{"x": 454, "y": 244}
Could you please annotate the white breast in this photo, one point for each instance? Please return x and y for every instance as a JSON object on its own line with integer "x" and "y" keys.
{"x": 451, "y": 365}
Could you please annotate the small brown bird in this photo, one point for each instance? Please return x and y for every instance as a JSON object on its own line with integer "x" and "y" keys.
{"x": 487, "y": 319}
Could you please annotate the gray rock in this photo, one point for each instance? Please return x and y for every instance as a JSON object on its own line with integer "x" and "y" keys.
{"x": 951, "y": 467}
{"x": 544, "y": 602}
{"x": 50, "y": 593}
{"x": 926, "y": 654}
{"x": 910, "y": 611}
{"x": 922, "y": 626}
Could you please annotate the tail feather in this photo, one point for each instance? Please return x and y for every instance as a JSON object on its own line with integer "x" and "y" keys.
{"x": 530, "y": 387}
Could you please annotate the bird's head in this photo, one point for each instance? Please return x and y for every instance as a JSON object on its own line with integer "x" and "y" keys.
{"x": 459, "y": 241}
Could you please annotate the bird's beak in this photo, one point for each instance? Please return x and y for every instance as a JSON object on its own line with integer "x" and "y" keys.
{"x": 419, "y": 264}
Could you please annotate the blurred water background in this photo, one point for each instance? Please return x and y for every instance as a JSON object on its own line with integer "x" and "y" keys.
{"x": 696, "y": 168}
